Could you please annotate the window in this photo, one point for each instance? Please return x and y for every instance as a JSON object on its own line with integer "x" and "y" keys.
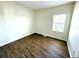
{"x": 59, "y": 22}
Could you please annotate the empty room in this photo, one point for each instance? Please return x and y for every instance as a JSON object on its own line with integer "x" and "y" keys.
{"x": 39, "y": 29}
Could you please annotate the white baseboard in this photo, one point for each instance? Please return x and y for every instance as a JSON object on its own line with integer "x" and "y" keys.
{"x": 16, "y": 39}
{"x": 50, "y": 36}
{"x": 70, "y": 53}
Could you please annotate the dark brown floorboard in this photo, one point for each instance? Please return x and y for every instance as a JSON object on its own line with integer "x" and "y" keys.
{"x": 35, "y": 46}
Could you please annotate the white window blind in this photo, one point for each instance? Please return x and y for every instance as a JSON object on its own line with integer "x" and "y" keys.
{"x": 59, "y": 22}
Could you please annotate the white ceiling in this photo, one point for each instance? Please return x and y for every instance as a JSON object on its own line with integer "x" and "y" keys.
{"x": 42, "y": 4}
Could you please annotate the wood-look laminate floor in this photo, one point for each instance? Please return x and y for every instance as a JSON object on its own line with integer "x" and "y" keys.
{"x": 35, "y": 46}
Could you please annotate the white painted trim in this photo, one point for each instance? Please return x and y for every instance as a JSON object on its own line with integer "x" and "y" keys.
{"x": 69, "y": 50}
{"x": 16, "y": 39}
{"x": 50, "y": 36}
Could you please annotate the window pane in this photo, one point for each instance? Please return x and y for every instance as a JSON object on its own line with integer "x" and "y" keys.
{"x": 58, "y": 22}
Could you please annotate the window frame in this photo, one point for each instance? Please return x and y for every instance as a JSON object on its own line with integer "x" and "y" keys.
{"x": 63, "y": 24}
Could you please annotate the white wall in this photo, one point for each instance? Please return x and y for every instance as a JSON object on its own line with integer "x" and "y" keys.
{"x": 44, "y": 19}
{"x": 3, "y": 34}
{"x": 73, "y": 40}
{"x": 16, "y": 22}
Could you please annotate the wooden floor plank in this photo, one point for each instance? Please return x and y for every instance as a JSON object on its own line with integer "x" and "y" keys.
{"x": 35, "y": 46}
